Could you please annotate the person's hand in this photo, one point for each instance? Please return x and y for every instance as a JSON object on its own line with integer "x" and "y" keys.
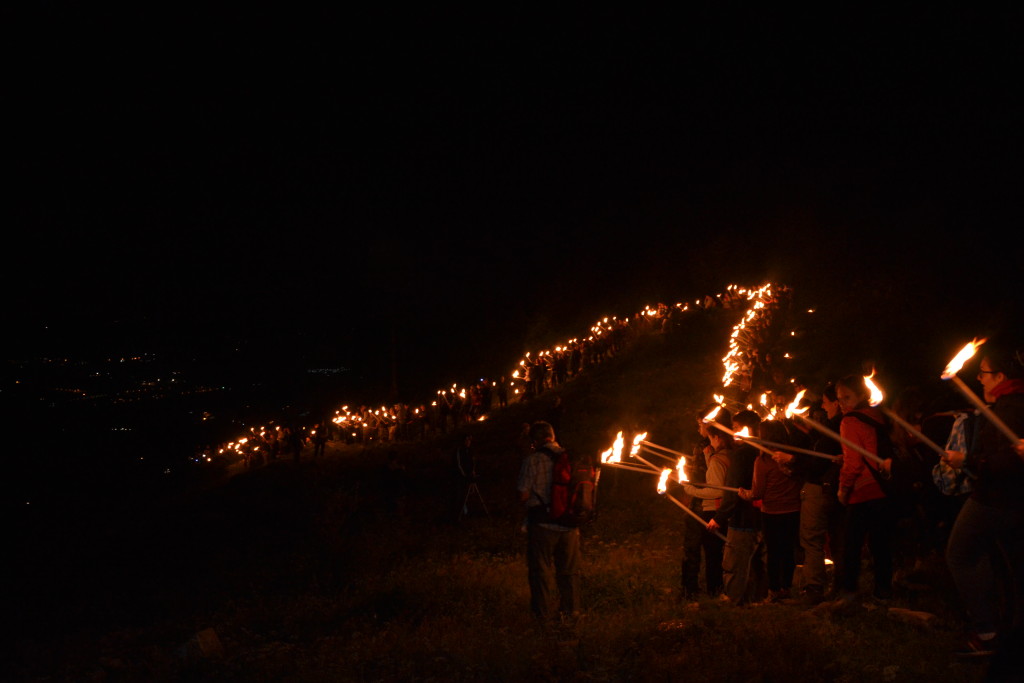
{"x": 745, "y": 494}
{"x": 713, "y": 525}
{"x": 1019, "y": 448}
{"x": 955, "y": 459}
{"x": 843, "y": 496}
{"x": 782, "y": 458}
{"x": 886, "y": 467}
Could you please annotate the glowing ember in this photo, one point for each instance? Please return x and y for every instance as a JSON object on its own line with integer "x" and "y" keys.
{"x": 965, "y": 355}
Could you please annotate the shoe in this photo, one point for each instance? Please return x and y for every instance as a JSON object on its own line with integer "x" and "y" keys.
{"x": 976, "y": 647}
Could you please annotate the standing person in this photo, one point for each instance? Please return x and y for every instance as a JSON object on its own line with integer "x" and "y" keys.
{"x": 697, "y": 540}
{"x": 743, "y": 563}
{"x": 821, "y": 519}
{"x": 553, "y": 551}
{"x": 294, "y": 441}
{"x": 319, "y": 439}
{"x": 779, "y": 492}
{"x": 868, "y": 510}
{"x": 464, "y": 474}
{"x": 992, "y": 518}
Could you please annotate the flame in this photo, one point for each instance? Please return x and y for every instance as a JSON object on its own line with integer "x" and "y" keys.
{"x": 743, "y": 433}
{"x": 663, "y": 481}
{"x": 713, "y": 414}
{"x": 681, "y": 471}
{"x": 965, "y": 355}
{"x": 793, "y": 408}
{"x": 636, "y": 444}
{"x": 876, "y": 392}
{"x": 614, "y": 454}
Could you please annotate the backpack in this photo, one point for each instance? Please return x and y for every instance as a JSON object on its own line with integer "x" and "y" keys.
{"x": 573, "y": 489}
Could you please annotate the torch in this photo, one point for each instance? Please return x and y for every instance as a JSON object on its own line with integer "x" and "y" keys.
{"x": 793, "y": 411}
{"x": 663, "y": 489}
{"x": 876, "y": 400}
{"x": 951, "y": 371}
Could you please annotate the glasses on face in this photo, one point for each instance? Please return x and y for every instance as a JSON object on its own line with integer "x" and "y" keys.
{"x": 986, "y": 372}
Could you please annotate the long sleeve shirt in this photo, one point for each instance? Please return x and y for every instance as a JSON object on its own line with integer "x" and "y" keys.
{"x": 718, "y": 465}
{"x": 776, "y": 489}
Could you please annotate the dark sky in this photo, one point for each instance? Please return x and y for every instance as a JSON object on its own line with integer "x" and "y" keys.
{"x": 472, "y": 182}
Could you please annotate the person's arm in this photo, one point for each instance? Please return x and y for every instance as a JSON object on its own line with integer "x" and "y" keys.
{"x": 715, "y": 475}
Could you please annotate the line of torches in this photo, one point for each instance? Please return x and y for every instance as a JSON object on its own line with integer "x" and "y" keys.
{"x": 346, "y": 419}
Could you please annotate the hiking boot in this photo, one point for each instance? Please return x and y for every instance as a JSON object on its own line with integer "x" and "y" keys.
{"x": 976, "y": 647}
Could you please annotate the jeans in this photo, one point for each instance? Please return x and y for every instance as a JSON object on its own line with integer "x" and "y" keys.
{"x": 820, "y": 523}
{"x": 553, "y": 560}
{"x": 743, "y": 566}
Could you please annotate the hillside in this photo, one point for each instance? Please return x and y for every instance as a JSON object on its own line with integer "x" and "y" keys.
{"x": 308, "y": 573}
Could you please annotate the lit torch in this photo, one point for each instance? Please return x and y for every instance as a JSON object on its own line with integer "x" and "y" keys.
{"x": 951, "y": 371}
{"x": 613, "y": 458}
{"x": 877, "y": 396}
{"x": 663, "y": 490}
{"x": 792, "y": 410}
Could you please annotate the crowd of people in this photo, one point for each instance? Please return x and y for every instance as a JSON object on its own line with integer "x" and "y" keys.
{"x": 799, "y": 514}
{"x": 800, "y": 518}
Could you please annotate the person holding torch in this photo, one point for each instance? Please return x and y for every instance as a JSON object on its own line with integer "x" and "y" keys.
{"x": 868, "y": 509}
{"x": 993, "y": 516}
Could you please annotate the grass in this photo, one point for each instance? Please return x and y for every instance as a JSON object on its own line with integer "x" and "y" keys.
{"x": 305, "y": 573}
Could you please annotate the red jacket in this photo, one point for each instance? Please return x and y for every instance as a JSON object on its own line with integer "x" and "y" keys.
{"x": 854, "y": 474}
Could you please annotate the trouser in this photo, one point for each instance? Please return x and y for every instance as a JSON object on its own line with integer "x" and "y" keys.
{"x": 821, "y": 523}
{"x": 780, "y": 535}
{"x": 696, "y": 539}
{"x": 974, "y": 542}
{"x": 743, "y": 566}
{"x": 553, "y": 561}
{"x": 872, "y": 519}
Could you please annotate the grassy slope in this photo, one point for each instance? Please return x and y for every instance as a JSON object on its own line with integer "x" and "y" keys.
{"x": 305, "y": 575}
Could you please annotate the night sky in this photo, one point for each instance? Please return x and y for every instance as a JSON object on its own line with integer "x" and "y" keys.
{"x": 475, "y": 184}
